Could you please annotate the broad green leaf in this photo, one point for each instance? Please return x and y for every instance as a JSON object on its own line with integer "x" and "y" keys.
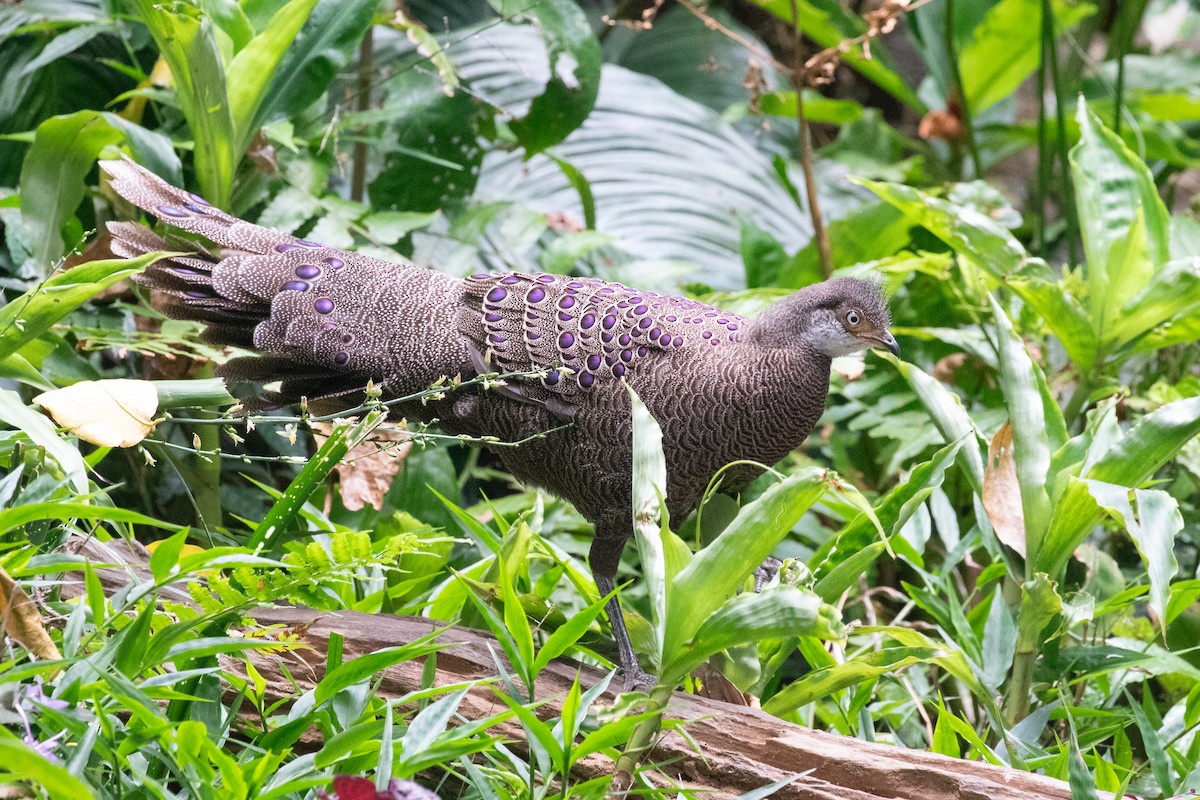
{"x": 328, "y": 42}
{"x": 970, "y": 233}
{"x": 821, "y": 683}
{"x": 426, "y": 726}
{"x": 751, "y": 617}
{"x": 367, "y": 665}
{"x": 20, "y": 515}
{"x": 20, "y": 762}
{"x": 1062, "y": 313}
{"x": 29, "y": 316}
{"x": 649, "y": 488}
{"x": 1019, "y": 381}
{"x": 187, "y": 43}
{"x": 574, "y": 75}
{"x": 721, "y": 567}
{"x": 252, "y": 70}
{"x": 1004, "y": 48}
{"x": 1168, "y": 309}
{"x": 1152, "y": 529}
{"x": 63, "y": 152}
{"x": 948, "y": 415}
{"x": 1113, "y": 191}
{"x": 166, "y": 555}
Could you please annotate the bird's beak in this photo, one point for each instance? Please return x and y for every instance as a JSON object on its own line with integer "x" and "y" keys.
{"x": 888, "y": 341}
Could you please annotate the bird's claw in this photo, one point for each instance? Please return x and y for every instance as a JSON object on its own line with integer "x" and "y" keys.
{"x": 638, "y": 680}
{"x": 766, "y": 572}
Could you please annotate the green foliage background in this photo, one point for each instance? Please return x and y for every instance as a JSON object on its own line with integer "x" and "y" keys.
{"x": 990, "y": 546}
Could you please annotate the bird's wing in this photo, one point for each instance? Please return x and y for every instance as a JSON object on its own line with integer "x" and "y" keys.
{"x": 584, "y": 332}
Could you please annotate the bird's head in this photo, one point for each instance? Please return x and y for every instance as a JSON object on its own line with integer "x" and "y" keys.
{"x": 837, "y": 317}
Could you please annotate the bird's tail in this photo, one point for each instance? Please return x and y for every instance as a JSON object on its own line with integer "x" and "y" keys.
{"x": 325, "y": 320}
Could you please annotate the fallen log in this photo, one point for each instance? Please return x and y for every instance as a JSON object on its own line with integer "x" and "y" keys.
{"x": 740, "y": 748}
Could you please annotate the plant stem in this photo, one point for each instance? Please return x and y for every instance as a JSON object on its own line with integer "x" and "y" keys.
{"x": 640, "y": 742}
{"x": 968, "y": 124}
{"x": 362, "y": 102}
{"x": 1068, "y": 199}
{"x": 820, "y": 233}
{"x": 1042, "y": 187}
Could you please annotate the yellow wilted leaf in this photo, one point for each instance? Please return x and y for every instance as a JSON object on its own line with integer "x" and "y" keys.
{"x": 109, "y": 413}
{"x": 22, "y": 621}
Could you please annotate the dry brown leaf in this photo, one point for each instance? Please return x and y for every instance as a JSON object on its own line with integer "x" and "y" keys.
{"x": 1002, "y": 492}
{"x": 367, "y": 471}
{"x": 22, "y": 620}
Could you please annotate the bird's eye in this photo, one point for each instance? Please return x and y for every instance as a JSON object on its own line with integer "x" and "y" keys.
{"x": 853, "y": 318}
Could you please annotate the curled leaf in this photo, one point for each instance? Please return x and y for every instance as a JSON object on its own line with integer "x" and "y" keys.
{"x": 1002, "y": 492}
{"x": 108, "y": 413}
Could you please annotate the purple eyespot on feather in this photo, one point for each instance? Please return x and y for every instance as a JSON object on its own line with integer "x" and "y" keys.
{"x": 510, "y": 280}
{"x": 606, "y": 337}
{"x": 645, "y": 322}
{"x": 478, "y": 276}
{"x": 198, "y": 295}
{"x": 552, "y": 378}
{"x": 623, "y": 304}
{"x": 566, "y": 302}
{"x": 633, "y": 301}
{"x": 722, "y": 322}
{"x": 335, "y": 263}
{"x": 323, "y": 305}
{"x": 171, "y": 211}
{"x": 294, "y": 286}
{"x": 531, "y": 336}
{"x": 537, "y": 295}
{"x": 665, "y": 339}
{"x": 710, "y": 313}
{"x": 586, "y": 379}
{"x": 566, "y": 340}
{"x": 341, "y": 358}
{"x": 732, "y": 326}
{"x": 193, "y": 208}
{"x": 642, "y": 309}
{"x": 594, "y": 361}
{"x": 286, "y": 248}
{"x": 307, "y": 243}
{"x": 329, "y": 326}
{"x": 546, "y": 278}
{"x": 588, "y": 321}
{"x": 606, "y": 290}
{"x": 626, "y": 355}
{"x": 186, "y": 271}
{"x": 199, "y": 199}
{"x": 497, "y": 338}
{"x": 307, "y": 271}
{"x": 654, "y": 334}
{"x": 618, "y": 370}
{"x": 608, "y": 322}
{"x": 714, "y": 341}
{"x": 643, "y": 350}
{"x": 677, "y": 341}
{"x": 672, "y": 318}
{"x": 497, "y": 294}
{"x": 347, "y": 338}
{"x": 575, "y": 285}
{"x": 492, "y": 316}
{"x": 707, "y": 334}
{"x": 565, "y": 317}
{"x": 624, "y": 339}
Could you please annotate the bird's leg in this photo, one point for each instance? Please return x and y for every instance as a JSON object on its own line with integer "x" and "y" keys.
{"x": 604, "y": 557}
{"x": 766, "y": 572}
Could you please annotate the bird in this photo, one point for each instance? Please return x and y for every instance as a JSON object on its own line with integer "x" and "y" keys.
{"x": 323, "y": 322}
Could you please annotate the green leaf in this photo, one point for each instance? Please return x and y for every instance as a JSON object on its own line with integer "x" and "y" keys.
{"x": 187, "y": 43}
{"x": 1005, "y": 47}
{"x": 20, "y": 515}
{"x": 574, "y": 78}
{"x": 426, "y": 726}
{"x": 364, "y": 666}
{"x": 63, "y": 152}
{"x": 166, "y": 555}
{"x": 751, "y": 617}
{"x": 252, "y": 70}
{"x": 40, "y": 431}
{"x": 1118, "y": 206}
{"x": 20, "y": 762}
{"x": 1019, "y": 381}
{"x": 823, "y": 682}
{"x": 719, "y": 569}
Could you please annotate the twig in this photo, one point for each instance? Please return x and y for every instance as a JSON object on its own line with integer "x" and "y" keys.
{"x": 820, "y": 234}
{"x": 362, "y": 102}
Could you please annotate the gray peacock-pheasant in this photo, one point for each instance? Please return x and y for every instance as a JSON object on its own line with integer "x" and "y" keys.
{"x": 722, "y": 387}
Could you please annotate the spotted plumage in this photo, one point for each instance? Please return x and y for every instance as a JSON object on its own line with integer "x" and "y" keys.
{"x": 722, "y": 387}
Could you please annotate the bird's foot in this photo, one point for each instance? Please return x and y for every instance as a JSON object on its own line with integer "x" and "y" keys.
{"x": 638, "y": 680}
{"x": 766, "y": 572}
